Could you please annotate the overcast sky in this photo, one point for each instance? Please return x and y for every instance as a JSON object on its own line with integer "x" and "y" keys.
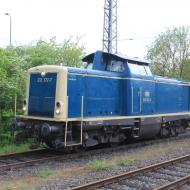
{"x": 140, "y": 20}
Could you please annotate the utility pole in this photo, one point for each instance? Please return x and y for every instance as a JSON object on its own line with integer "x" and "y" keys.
{"x": 10, "y": 46}
{"x": 10, "y": 29}
{"x": 110, "y": 26}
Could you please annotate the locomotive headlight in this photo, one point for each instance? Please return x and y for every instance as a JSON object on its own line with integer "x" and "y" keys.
{"x": 24, "y": 108}
{"x": 58, "y": 107}
{"x": 43, "y": 74}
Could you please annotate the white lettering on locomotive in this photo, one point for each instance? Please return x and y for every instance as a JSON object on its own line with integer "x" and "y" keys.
{"x": 45, "y": 80}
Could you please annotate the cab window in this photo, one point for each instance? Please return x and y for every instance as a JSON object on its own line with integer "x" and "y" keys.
{"x": 87, "y": 65}
{"x": 139, "y": 69}
{"x": 115, "y": 66}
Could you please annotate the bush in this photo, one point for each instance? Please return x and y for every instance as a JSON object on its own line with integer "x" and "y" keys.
{"x": 5, "y": 139}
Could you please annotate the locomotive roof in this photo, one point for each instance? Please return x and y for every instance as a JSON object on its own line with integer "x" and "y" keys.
{"x": 171, "y": 80}
{"x": 89, "y": 58}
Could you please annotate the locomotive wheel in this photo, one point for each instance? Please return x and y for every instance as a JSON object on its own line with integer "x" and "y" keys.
{"x": 50, "y": 144}
{"x": 165, "y": 132}
{"x": 173, "y": 131}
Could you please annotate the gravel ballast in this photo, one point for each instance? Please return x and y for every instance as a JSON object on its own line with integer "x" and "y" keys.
{"x": 142, "y": 156}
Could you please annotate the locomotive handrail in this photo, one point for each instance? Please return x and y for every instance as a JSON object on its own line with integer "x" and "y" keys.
{"x": 140, "y": 96}
{"x": 66, "y": 121}
{"x": 82, "y": 115}
{"x": 132, "y": 101}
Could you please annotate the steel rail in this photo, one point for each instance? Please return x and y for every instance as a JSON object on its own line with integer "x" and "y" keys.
{"x": 175, "y": 184}
{"x": 23, "y": 159}
{"x": 114, "y": 179}
{"x": 26, "y": 163}
{"x": 21, "y": 153}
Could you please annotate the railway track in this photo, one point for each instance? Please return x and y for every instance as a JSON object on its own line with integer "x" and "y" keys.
{"x": 19, "y": 160}
{"x": 166, "y": 175}
{"x": 25, "y": 159}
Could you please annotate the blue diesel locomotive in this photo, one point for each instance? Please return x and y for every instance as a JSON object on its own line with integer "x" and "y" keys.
{"x": 111, "y": 100}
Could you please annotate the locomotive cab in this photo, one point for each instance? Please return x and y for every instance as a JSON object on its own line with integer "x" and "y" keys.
{"x": 129, "y": 66}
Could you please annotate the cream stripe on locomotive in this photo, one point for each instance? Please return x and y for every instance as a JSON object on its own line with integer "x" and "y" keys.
{"x": 128, "y": 117}
{"x": 124, "y": 78}
{"x": 104, "y": 118}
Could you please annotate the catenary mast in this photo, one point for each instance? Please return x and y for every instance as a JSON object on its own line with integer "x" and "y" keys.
{"x": 110, "y": 26}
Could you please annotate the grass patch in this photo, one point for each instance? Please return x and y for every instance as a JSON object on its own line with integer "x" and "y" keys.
{"x": 7, "y": 188}
{"x": 99, "y": 165}
{"x": 13, "y": 148}
{"x": 124, "y": 161}
{"x": 45, "y": 173}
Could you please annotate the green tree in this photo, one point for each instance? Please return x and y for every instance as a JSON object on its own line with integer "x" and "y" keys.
{"x": 186, "y": 70}
{"x": 15, "y": 61}
{"x": 170, "y": 51}
{"x": 9, "y": 70}
{"x": 43, "y": 52}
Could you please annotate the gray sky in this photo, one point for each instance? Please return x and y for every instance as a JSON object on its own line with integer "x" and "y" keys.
{"x": 141, "y": 20}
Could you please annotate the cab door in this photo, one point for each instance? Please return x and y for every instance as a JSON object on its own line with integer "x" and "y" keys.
{"x": 136, "y": 100}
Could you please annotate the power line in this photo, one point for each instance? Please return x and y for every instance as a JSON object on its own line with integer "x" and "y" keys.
{"x": 138, "y": 38}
